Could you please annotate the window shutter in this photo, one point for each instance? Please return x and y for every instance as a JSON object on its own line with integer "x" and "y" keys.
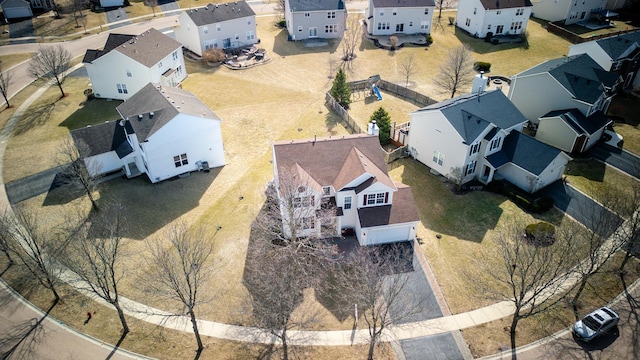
{"x": 386, "y": 197}
{"x": 365, "y": 200}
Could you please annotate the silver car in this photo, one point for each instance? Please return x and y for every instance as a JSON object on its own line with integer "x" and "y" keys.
{"x": 595, "y": 324}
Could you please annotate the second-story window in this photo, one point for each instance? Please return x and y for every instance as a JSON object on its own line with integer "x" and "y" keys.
{"x": 347, "y": 202}
{"x": 376, "y": 199}
{"x": 331, "y": 15}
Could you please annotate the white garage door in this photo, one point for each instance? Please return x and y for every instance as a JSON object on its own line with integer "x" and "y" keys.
{"x": 387, "y": 235}
{"x": 17, "y": 12}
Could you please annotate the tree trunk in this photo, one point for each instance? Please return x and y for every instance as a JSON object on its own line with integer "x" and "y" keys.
{"x": 512, "y": 334}
{"x": 627, "y": 256}
{"x": 440, "y": 11}
{"x": 123, "y": 320}
{"x": 374, "y": 337}
{"x": 285, "y": 350}
{"x": 60, "y": 87}
{"x": 576, "y": 297}
{"x": 194, "y": 322}
{"x": 6, "y": 100}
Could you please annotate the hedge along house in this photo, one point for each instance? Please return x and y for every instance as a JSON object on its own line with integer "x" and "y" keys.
{"x": 350, "y": 174}
{"x": 310, "y": 19}
{"x": 163, "y": 132}
{"x": 388, "y": 17}
{"x": 229, "y": 25}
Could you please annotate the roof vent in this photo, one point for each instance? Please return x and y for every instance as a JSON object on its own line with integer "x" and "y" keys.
{"x": 140, "y": 117}
{"x": 151, "y": 115}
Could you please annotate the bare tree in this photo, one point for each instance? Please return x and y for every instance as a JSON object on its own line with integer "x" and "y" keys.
{"x": 352, "y": 34}
{"x": 179, "y": 270}
{"x": 95, "y": 254}
{"x": 455, "y": 72}
{"x": 440, "y": 4}
{"x": 78, "y": 172}
{"x": 530, "y": 275}
{"x": 408, "y": 68}
{"x": 5, "y": 80}
{"x": 630, "y": 231}
{"x": 76, "y": 9}
{"x": 5, "y": 237}
{"x": 152, "y": 4}
{"x": 280, "y": 8}
{"x": 83, "y": 22}
{"x": 51, "y": 63}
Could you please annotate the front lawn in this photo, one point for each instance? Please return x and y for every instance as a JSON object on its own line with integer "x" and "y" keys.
{"x": 624, "y": 110}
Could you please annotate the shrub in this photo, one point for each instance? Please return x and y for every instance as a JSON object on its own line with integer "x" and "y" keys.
{"x": 428, "y": 39}
{"x": 482, "y": 66}
{"x": 451, "y": 20}
{"x": 540, "y": 231}
{"x": 213, "y": 55}
{"x": 393, "y": 41}
{"x": 282, "y": 24}
{"x": 383, "y": 120}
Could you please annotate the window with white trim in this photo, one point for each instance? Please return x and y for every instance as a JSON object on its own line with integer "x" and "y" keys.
{"x": 326, "y": 190}
{"x": 424, "y": 25}
{"x": 376, "y": 199}
{"x": 495, "y": 143}
{"x": 467, "y": 22}
{"x": 347, "y": 202}
{"x": 475, "y": 10}
{"x": 300, "y": 28}
{"x": 306, "y": 223}
{"x": 516, "y": 25}
{"x": 381, "y": 12}
{"x": 250, "y": 35}
{"x": 160, "y": 64}
{"x": 426, "y": 11}
{"x": 307, "y": 14}
{"x": 122, "y": 89}
{"x": 438, "y": 157}
{"x": 471, "y": 168}
{"x": 205, "y": 30}
{"x": 304, "y": 201}
{"x": 384, "y": 25}
{"x": 394, "y": 12}
{"x": 218, "y": 27}
{"x": 180, "y": 160}
{"x": 331, "y": 15}
{"x": 474, "y": 148}
{"x": 248, "y": 21}
{"x": 128, "y": 71}
{"x": 519, "y": 12}
{"x": 175, "y": 55}
{"x": 330, "y": 29}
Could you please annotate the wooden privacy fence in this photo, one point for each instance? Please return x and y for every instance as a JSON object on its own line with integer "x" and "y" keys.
{"x": 406, "y": 93}
{"x": 350, "y": 122}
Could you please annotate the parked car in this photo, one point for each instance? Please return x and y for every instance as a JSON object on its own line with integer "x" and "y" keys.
{"x": 595, "y": 324}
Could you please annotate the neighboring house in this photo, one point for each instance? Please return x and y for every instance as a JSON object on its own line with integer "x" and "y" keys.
{"x": 565, "y": 83}
{"x": 43, "y": 5}
{"x": 106, "y": 3}
{"x": 477, "y": 137}
{"x": 129, "y": 62}
{"x": 387, "y": 17}
{"x": 570, "y": 11}
{"x": 491, "y": 17}
{"x": 308, "y": 19}
{"x": 619, "y": 54}
{"x": 163, "y": 132}
{"x": 15, "y": 9}
{"x": 229, "y": 25}
{"x": 570, "y": 130}
{"x": 350, "y": 173}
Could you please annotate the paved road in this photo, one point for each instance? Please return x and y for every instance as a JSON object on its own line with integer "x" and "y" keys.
{"x": 618, "y": 158}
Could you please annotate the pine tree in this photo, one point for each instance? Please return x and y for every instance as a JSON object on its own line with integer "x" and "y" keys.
{"x": 383, "y": 120}
{"x": 341, "y": 90}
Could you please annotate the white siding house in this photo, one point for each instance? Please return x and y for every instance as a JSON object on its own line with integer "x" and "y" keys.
{"x": 129, "y": 62}
{"x": 387, "y": 17}
{"x": 571, "y": 131}
{"x": 228, "y": 25}
{"x": 478, "y": 137}
{"x": 349, "y": 176}
{"x": 570, "y": 11}
{"x": 308, "y": 19}
{"x": 163, "y": 132}
{"x": 489, "y": 17}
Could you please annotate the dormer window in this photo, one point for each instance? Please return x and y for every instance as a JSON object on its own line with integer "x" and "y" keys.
{"x": 376, "y": 199}
{"x": 495, "y": 143}
{"x": 474, "y": 148}
{"x": 326, "y": 190}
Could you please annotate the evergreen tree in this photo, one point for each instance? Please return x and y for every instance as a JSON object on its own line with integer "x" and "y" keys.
{"x": 383, "y": 120}
{"x": 341, "y": 90}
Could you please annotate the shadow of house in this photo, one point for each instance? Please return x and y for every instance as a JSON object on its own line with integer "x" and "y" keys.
{"x": 92, "y": 112}
{"x": 283, "y": 47}
{"x": 480, "y": 46}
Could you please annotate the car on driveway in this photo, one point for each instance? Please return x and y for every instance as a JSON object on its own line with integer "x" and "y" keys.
{"x": 595, "y": 324}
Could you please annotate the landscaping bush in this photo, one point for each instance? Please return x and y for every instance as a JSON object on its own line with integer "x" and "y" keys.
{"x": 482, "y": 66}
{"x": 541, "y": 233}
{"x": 428, "y": 39}
{"x": 214, "y": 55}
{"x": 282, "y": 24}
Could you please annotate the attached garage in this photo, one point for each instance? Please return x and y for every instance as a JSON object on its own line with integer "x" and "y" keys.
{"x": 383, "y": 235}
{"x": 15, "y": 9}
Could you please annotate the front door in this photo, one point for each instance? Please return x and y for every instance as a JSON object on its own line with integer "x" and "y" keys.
{"x": 226, "y": 43}
{"x": 313, "y": 32}
{"x": 399, "y": 28}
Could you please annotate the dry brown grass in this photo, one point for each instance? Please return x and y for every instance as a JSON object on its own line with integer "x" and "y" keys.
{"x": 47, "y": 25}
{"x": 598, "y": 179}
{"x": 8, "y": 61}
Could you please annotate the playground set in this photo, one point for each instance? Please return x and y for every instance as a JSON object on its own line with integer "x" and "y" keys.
{"x": 368, "y": 87}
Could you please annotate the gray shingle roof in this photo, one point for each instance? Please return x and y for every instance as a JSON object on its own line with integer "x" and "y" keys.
{"x": 580, "y": 123}
{"x": 615, "y": 46}
{"x": 402, "y": 3}
{"x": 471, "y": 114}
{"x": 315, "y": 5}
{"x": 579, "y": 74}
{"x": 212, "y": 14}
{"x": 147, "y": 48}
{"x": 505, "y": 4}
{"x": 525, "y": 152}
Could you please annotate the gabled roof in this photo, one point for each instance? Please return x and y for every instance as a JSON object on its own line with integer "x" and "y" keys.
{"x": 334, "y": 161}
{"x": 403, "y": 210}
{"x": 524, "y": 151}
{"x": 471, "y": 114}
{"x": 402, "y": 3}
{"x": 212, "y": 14}
{"x": 580, "y": 123}
{"x": 315, "y": 5}
{"x": 157, "y": 106}
{"x": 617, "y": 45}
{"x": 579, "y": 74}
{"x": 147, "y": 48}
{"x": 504, "y": 4}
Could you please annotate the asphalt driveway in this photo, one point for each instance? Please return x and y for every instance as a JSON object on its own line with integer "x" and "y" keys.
{"x": 115, "y": 15}
{"x": 22, "y": 29}
{"x": 618, "y": 158}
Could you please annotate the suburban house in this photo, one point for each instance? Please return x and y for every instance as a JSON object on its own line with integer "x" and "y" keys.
{"x": 569, "y": 11}
{"x": 163, "y": 132}
{"x": 97, "y": 4}
{"x": 570, "y": 130}
{"x": 127, "y": 63}
{"x": 348, "y": 175}
{"x": 15, "y": 9}
{"x": 619, "y": 54}
{"x": 229, "y": 25}
{"x": 387, "y": 17}
{"x": 308, "y": 19}
{"x": 565, "y": 83}
{"x": 478, "y": 137}
{"x": 482, "y": 18}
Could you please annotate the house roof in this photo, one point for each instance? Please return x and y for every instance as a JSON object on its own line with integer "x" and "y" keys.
{"x": 504, "y": 4}
{"x": 212, "y": 14}
{"x": 403, "y": 210}
{"x": 147, "y": 48}
{"x": 334, "y": 161}
{"x": 617, "y": 45}
{"x": 579, "y": 74}
{"x": 471, "y": 114}
{"x": 518, "y": 148}
{"x": 402, "y": 3}
{"x": 315, "y": 5}
{"x": 156, "y": 104}
{"x": 580, "y": 123}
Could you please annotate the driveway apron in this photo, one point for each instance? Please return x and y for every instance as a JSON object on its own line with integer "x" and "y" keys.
{"x": 617, "y": 158}
{"x": 169, "y": 7}
{"x": 114, "y": 15}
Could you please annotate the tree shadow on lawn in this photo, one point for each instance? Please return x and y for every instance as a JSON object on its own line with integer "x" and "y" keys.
{"x": 92, "y": 112}
{"x": 284, "y": 47}
{"x": 36, "y": 116}
{"x": 592, "y": 170}
{"x": 625, "y": 108}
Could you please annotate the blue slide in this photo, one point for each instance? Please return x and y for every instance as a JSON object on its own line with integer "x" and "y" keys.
{"x": 377, "y": 91}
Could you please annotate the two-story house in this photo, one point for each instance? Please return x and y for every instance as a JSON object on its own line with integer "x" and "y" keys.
{"x": 387, "y": 17}
{"x": 478, "y": 137}
{"x": 163, "y": 132}
{"x": 308, "y": 19}
{"x": 127, "y": 63}
{"x": 570, "y": 11}
{"x": 228, "y": 25}
{"x": 619, "y": 54}
{"x": 489, "y": 17}
{"x": 350, "y": 173}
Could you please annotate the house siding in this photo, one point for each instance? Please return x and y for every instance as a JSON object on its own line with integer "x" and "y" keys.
{"x": 194, "y": 38}
{"x": 568, "y": 10}
{"x": 103, "y": 163}
{"x": 480, "y": 21}
{"x": 594, "y": 51}
{"x": 411, "y": 19}
{"x": 555, "y": 132}
{"x": 298, "y": 24}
